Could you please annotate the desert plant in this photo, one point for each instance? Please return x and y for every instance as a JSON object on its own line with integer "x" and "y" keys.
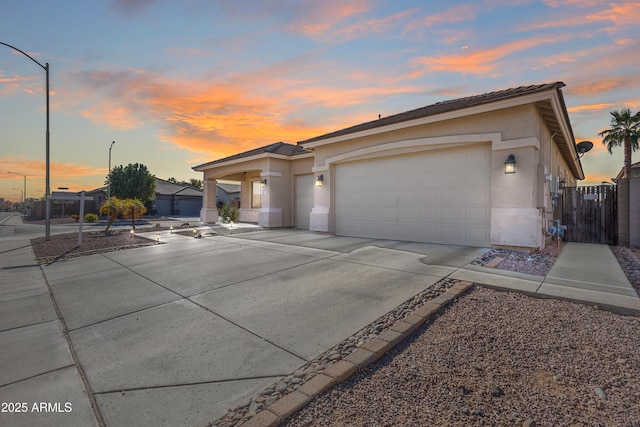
{"x": 625, "y": 132}
{"x": 113, "y": 207}
{"x": 91, "y": 217}
{"x": 133, "y": 209}
{"x": 228, "y": 213}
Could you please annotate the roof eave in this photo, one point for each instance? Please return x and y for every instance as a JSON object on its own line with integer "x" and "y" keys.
{"x": 448, "y": 115}
{"x": 216, "y": 163}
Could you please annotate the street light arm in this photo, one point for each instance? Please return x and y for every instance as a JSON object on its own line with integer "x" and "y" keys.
{"x": 25, "y": 54}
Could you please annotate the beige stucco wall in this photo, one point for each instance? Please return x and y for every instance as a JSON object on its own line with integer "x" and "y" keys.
{"x": 521, "y": 202}
{"x": 277, "y": 194}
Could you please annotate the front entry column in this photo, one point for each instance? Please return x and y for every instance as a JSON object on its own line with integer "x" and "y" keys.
{"x": 270, "y": 214}
{"x": 209, "y": 211}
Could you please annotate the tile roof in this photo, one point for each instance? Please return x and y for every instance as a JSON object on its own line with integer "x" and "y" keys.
{"x": 441, "y": 107}
{"x": 281, "y": 148}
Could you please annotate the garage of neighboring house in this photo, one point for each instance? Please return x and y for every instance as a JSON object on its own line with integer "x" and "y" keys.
{"x": 438, "y": 197}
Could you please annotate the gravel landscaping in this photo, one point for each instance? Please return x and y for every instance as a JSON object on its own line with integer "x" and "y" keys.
{"x": 496, "y": 359}
{"x": 493, "y": 358}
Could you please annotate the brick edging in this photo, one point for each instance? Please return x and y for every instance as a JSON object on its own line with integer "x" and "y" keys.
{"x": 288, "y": 405}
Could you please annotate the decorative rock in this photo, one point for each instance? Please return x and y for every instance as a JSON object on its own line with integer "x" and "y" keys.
{"x": 335, "y": 356}
{"x": 497, "y": 391}
{"x": 478, "y": 413}
{"x": 465, "y": 410}
{"x": 271, "y": 400}
{"x": 601, "y": 394}
{"x": 295, "y": 380}
{"x": 280, "y": 387}
{"x": 529, "y": 423}
{"x": 255, "y": 407}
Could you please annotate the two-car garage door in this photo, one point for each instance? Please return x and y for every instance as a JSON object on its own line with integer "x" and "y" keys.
{"x": 437, "y": 197}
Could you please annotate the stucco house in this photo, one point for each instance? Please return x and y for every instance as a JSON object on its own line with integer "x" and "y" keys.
{"x": 443, "y": 173}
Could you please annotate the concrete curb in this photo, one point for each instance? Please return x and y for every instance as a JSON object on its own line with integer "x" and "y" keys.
{"x": 373, "y": 350}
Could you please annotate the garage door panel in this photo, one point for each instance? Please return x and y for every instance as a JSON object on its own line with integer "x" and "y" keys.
{"x": 440, "y": 197}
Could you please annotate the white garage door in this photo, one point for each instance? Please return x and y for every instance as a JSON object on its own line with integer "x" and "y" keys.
{"x": 304, "y": 200}
{"x": 437, "y": 197}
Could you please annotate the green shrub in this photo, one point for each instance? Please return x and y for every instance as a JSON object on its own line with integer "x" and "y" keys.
{"x": 90, "y": 217}
{"x": 228, "y": 213}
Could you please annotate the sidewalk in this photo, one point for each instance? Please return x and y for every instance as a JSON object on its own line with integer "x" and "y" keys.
{"x": 583, "y": 272}
{"x": 37, "y": 363}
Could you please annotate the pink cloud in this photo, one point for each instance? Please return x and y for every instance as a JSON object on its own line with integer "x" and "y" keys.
{"x": 476, "y": 62}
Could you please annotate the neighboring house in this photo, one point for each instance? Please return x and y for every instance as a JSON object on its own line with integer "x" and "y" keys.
{"x": 635, "y": 171}
{"x": 175, "y": 199}
{"x": 435, "y": 174}
{"x": 227, "y": 193}
{"x": 170, "y": 199}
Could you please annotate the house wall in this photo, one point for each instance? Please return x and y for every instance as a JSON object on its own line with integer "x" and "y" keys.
{"x": 515, "y": 217}
{"x": 277, "y": 208}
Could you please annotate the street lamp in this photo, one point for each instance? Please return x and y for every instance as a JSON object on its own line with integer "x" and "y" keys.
{"x": 47, "y": 226}
{"x": 109, "y": 177}
{"x": 24, "y": 193}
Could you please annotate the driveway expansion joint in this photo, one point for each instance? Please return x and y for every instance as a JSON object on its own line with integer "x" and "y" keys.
{"x": 370, "y": 351}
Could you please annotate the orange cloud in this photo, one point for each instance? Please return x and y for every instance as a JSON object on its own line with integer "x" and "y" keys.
{"x": 453, "y": 15}
{"x": 588, "y": 108}
{"x": 318, "y": 18}
{"x": 76, "y": 177}
{"x": 479, "y": 62}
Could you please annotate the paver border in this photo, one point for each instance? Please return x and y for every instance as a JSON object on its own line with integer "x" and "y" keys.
{"x": 285, "y": 407}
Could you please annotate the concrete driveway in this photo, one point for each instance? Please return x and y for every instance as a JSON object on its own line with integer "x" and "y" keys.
{"x": 177, "y": 334}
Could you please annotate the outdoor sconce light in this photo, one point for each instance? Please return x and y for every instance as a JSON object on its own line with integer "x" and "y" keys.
{"x": 319, "y": 180}
{"x": 264, "y": 181}
{"x": 132, "y": 232}
{"x": 510, "y": 164}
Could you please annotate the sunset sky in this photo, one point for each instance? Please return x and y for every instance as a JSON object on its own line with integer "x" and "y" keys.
{"x": 179, "y": 83}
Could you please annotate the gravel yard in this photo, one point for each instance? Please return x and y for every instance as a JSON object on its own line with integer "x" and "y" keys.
{"x": 496, "y": 358}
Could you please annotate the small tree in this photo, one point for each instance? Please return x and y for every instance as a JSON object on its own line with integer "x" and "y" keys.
{"x": 133, "y": 208}
{"x": 132, "y": 182}
{"x": 113, "y": 207}
{"x": 197, "y": 183}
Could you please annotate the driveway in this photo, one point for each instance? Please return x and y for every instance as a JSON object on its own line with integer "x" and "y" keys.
{"x": 177, "y": 334}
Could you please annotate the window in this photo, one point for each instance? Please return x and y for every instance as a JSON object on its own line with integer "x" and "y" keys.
{"x": 256, "y": 195}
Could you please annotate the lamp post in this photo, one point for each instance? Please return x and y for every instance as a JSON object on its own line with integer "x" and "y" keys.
{"x": 47, "y": 226}
{"x": 24, "y": 193}
{"x": 109, "y": 177}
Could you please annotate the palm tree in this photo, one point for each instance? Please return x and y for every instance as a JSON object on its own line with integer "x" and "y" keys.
{"x": 113, "y": 207}
{"x": 133, "y": 208}
{"x": 625, "y": 130}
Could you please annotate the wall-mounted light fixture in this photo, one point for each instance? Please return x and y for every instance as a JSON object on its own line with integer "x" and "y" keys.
{"x": 510, "y": 164}
{"x": 319, "y": 180}
{"x": 264, "y": 181}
